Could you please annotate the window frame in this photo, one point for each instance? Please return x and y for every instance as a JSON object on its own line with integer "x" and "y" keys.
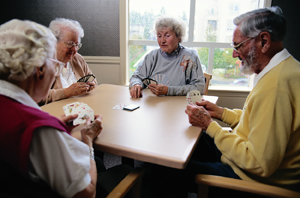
{"x": 125, "y": 42}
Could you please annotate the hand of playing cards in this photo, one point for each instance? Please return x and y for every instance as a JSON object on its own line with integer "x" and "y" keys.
{"x": 193, "y": 96}
{"x": 83, "y": 110}
{"x": 148, "y": 81}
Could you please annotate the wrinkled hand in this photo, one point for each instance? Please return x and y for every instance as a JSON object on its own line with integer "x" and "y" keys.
{"x": 68, "y": 120}
{"x": 158, "y": 89}
{"x": 213, "y": 110}
{"x": 91, "y": 130}
{"x": 136, "y": 91}
{"x": 198, "y": 116}
{"x": 92, "y": 85}
{"x": 76, "y": 89}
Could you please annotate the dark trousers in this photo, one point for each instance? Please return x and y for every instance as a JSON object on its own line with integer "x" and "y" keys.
{"x": 108, "y": 179}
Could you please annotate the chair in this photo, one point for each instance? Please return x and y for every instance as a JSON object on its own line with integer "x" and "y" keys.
{"x": 207, "y": 79}
{"x": 132, "y": 180}
{"x": 204, "y": 181}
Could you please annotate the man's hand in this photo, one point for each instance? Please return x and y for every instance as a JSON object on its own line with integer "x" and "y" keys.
{"x": 158, "y": 89}
{"x": 214, "y": 110}
{"x": 198, "y": 116}
{"x": 136, "y": 91}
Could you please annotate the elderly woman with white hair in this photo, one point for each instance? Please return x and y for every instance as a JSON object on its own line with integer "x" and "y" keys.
{"x": 69, "y": 33}
{"x": 38, "y": 156}
{"x": 176, "y": 69}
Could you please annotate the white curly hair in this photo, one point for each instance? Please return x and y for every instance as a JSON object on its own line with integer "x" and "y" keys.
{"x": 24, "y": 46}
{"x": 175, "y": 24}
{"x": 58, "y": 24}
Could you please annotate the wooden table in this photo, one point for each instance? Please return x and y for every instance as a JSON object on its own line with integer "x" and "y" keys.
{"x": 158, "y": 132}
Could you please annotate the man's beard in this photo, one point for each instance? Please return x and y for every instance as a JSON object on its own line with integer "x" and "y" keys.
{"x": 249, "y": 65}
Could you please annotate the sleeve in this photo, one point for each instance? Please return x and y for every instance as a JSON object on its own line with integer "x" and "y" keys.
{"x": 55, "y": 93}
{"x": 80, "y": 67}
{"x": 194, "y": 78}
{"x": 87, "y": 70}
{"x": 142, "y": 71}
{"x": 60, "y": 160}
{"x": 231, "y": 117}
{"x": 258, "y": 144}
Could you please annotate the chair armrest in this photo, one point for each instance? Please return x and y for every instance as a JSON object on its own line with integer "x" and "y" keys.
{"x": 132, "y": 180}
{"x": 242, "y": 185}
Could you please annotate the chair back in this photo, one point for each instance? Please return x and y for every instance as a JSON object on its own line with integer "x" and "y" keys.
{"x": 207, "y": 79}
{"x": 204, "y": 181}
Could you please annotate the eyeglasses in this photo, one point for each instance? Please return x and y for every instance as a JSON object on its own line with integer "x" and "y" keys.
{"x": 237, "y": 46}
{"x": 58, "y": 65}
{"x": 70, "y": 44}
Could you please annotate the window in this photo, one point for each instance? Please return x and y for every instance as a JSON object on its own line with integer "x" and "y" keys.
{"x": 209, "y": 32}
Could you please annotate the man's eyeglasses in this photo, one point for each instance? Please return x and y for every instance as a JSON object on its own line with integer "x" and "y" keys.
{"x": 70, "y": 44}
{"x": 237, "y": 46}
{"x": 58, "y": 65}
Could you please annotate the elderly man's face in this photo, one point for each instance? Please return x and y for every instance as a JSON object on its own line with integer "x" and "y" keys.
{"x": 65, "y": 54}
{"x": 247, "y": 53}
{"x": 167, "y": 40}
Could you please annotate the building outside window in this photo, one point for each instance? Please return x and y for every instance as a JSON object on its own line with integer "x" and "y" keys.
{"x": 209, "y": 31}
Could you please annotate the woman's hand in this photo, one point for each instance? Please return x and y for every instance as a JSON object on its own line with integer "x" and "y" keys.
{"x": 214, "y": 110}
{"x": 158, "y": 89}
{"x": 91, "y": 130}
{"x": 136, "y": 91}
{"x": 198, "y": 116}
{"x": 76, "y": 89}
{"x": 92, "y": 85}
{"x": 68, "y": 120}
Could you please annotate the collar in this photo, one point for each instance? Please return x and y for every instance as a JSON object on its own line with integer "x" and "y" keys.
{"x": 12, "y": 91}
{"x": 174, "y": 53}
{"x": 275, "y": 60}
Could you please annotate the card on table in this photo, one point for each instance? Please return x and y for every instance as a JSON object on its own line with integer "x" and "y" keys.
{"x": 83, "y": 110}
{"x": 119, "y": 106}
{"x": 193, "y": 96}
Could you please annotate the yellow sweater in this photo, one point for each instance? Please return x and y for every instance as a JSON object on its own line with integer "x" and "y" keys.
{"x": 264, "y": 145}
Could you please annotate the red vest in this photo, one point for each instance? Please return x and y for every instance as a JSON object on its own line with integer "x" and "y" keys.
{"x": 17, "y": 124}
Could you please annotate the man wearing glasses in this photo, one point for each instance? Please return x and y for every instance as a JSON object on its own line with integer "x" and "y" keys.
{"x": 264, "y": 143}
{"x": 69, "y": 33}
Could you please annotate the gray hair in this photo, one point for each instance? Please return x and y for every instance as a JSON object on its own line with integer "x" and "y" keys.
{"x": 58, "y": 24}
{"x": 24, "y": 46}
{"x": 175, "y": 24}
{"x": 263, "y": 20}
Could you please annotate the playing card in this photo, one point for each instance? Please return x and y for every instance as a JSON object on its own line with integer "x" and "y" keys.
{"x": 87, "y": 78}
{"x": 83, "y": 110}
{"x": 193, "y": 96}
{"x": 70, "y": 107}
{"x": 148, "y": 81}
{"x": 119, "y": 106}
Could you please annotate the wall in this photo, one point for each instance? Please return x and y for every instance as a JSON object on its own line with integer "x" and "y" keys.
{"x": 99, "y": 19}
{"x": 290, "y": 9}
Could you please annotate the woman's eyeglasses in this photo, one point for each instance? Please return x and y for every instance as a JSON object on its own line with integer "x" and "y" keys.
{"x": 70, "y": 44}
